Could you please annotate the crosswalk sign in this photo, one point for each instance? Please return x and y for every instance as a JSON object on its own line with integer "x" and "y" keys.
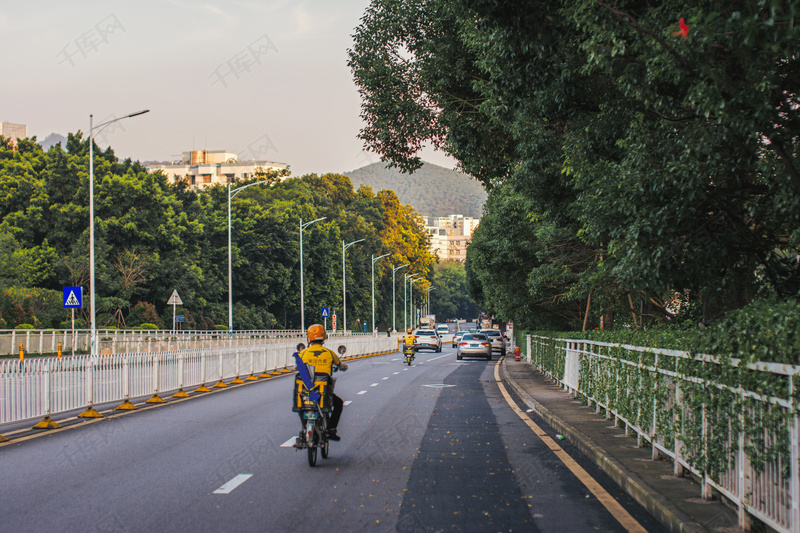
{"x": 73, "y": 297}
{"x": 326, "y": 312}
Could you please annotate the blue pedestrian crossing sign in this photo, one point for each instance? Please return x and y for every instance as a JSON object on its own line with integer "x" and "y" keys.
{"x": 326, "y": 312}
{"x": 73, "y": 297}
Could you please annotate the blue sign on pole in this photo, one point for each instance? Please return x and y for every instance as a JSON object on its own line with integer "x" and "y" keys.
{"x": 73, "y": 297}
{"x": 180, "y": 318}
{"x": 326, "y": 312}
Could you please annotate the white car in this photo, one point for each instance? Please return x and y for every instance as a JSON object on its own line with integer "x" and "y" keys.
{"x": 427, "y": 339}
{"x": 497, "y": 339}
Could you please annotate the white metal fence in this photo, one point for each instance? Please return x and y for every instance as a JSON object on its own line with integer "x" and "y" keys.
{"x": 648, "y": 389}
{"x": 44, "y": 386}
{"x": 46, "y": 341}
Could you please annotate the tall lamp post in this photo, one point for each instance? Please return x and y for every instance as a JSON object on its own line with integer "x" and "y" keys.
{"x": 374, "y": 260}
{"x": 302, "y": 295}
{"x": 411, "y": 297}
{"x": 428, "y": 299}
{"x": 344, "y": 284}
{"x": 92, "y": 129}
{"x": 231, "y": 194}
{"x": 406, "y": 277}
{"x": 394, "y": 306}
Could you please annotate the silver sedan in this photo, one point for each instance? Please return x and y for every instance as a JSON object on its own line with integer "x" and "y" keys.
{"x": 474, "y": 345}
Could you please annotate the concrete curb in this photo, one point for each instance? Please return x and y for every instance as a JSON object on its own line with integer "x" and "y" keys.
{"x": 661, "y": 508}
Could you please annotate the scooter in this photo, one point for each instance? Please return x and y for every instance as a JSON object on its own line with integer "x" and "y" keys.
{"x": 313, "y": 402}
{"x": 408, "y": 353}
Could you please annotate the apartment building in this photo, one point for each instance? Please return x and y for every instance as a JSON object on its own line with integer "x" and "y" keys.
{"x": 204, "y": 168}
{"x": 451, "y": 235}
{"x": 13, "y": 131}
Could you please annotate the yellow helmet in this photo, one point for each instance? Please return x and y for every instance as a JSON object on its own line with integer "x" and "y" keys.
{"x": 316, "y": 332}
{"x": 408, "y": 330}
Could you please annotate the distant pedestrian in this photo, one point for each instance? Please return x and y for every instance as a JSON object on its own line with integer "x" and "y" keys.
{"x": 376, "y": 331}
{"x": 389, "y": 331}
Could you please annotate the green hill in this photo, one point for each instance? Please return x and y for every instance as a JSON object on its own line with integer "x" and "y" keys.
{"x": 432, "y": 190}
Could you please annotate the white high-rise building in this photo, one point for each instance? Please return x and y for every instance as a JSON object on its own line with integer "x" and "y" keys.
{"x": 451, "y": 235}
{"x": 204, "y": 168}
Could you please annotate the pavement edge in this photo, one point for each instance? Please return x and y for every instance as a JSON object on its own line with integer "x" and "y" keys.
{"x": 662, "y": 509}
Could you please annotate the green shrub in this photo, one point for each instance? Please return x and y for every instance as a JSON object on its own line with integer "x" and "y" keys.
{"x": 148, "y": 326}
{"x": 24, "y": 326}
{"x": 220, "y": 326}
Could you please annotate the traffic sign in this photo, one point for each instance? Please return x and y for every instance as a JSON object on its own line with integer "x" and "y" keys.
{"x": 180, "y": 318}
{"x": 73, "y": 297}
{"x": 326, "y": 312}
{"x": 174, "y": 299}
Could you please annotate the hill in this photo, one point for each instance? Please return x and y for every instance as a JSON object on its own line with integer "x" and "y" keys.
{"x": 432, "y": 190}
{"x": 53, "y": 139}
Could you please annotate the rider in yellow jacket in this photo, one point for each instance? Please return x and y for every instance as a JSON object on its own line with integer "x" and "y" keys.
{"x": 323, "y": 359}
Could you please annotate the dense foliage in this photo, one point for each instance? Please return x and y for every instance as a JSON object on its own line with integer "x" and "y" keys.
{"x": 637, "y": 172}
{"x": 153, "y": 237}
{"x": 432, "y": 190}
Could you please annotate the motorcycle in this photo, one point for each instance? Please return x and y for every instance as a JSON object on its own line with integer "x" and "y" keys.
{"x": 408, "y": 353}
{"x": 312, "y": 399}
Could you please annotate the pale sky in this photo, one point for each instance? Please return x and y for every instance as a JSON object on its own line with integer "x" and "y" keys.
{"x": 265, "y": 78}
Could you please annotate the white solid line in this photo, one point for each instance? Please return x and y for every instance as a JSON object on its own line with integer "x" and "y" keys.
{"x": 374, "y": 385}
{"x": 348, "y": 402}
{"x": 289, "y": 443}
{"x": 362, "y": 392}
{"x": 232, "y": 484}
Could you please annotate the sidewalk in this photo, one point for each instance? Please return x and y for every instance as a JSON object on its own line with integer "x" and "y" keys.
{"x": 673, "y": 501}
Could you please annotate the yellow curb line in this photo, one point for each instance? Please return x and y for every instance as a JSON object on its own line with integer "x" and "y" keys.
{"x": 613, "y": 506}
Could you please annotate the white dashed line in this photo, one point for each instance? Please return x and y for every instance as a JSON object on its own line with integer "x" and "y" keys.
{"x": 385, "y": 378}
{"x": 289, "y": 443}
{"x": 439, "y": 357}
{"x": 228, "y": 487}
{"x": 362, "y": 392}
{"x": 395, "y": 373}
{"x": 374, "y": 385}
{"x": 348, "y": 402}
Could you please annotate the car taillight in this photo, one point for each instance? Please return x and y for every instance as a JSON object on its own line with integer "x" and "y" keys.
{"x": 484, "y": 344}
{"x": 463, "y": 344}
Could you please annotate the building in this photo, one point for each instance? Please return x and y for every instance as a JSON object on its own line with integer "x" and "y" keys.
{"x": 204, "y": 168}
{"x": 13, "y": 131}
{"x": 450, "y": 236}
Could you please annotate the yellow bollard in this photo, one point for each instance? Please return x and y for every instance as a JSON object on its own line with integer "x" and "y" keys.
{"x": 21, "y": 353}
{"x": 59, "y": 351}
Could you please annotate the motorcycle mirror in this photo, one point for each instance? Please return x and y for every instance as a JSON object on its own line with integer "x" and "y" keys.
{"x": 341, "y": 349}
{"x": 300, "y": 346}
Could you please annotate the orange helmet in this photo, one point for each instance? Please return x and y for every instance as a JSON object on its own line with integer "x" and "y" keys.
{"x": 408, "y": 330}
{"x": 316, "y": 332}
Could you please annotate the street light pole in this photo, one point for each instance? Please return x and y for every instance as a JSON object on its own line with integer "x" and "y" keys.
{"x": 231, "y": 194}
{"x": 302, "y": 295}
{"x": 428, "y": 299}
{"x": 411, "y": 295}
{"x": 92, "y": 310}
{"x": 374, "y": 259}
{"x": 344, "y": 284}
{"x": 406, "y": 277}
{"x": 394, "y": 306}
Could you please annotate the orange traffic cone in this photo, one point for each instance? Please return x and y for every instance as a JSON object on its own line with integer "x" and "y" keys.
{"x": 517, "y": 353}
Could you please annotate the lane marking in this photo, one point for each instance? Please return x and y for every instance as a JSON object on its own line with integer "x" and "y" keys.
{"x": 362, "y": 392}
{"x": 395, "y": 373}
{"x": 348, "y": 402}
{"x": 289, "y": 443}
{"x": 374, "y": 385}
{"x": 228, "y": 487}
{"x": 439, "y": 357}
{"x": 438, "y": 385}
{"x": 385, "y": 378}
{"x": 613, "y": 506}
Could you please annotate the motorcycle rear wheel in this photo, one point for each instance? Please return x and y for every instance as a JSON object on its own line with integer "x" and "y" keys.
{"x": 324, "y": 449}
{"x": 312, "y": 455}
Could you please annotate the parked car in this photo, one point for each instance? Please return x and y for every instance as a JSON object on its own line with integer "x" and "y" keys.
{"x": 497, "y": 339}
{"x": 427, "y": 339}
{"x": 474, "y": 345}
{"x": 457, "y": 337}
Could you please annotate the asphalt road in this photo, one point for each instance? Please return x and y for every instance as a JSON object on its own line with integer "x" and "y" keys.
{"x": 431, "y": 447}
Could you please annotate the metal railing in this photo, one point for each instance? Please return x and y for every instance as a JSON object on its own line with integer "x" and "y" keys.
{"x": 647, "y": 390}
{"x": 45, "y": 386}
{"x": 44, "y": 341}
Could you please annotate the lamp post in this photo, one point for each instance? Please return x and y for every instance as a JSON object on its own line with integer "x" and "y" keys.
{"x": 411, "y": 297}
{"x": 428, "y": 299}
{"x": 302, "y": 295}
{"x": 92, "y": 129}
{"x": 406, "y": 277}
{"x": 394, "y": 307}
{"x": 374, "y": 260}
{"x": 344, "y": 284}
{"x": 231, "y": 194}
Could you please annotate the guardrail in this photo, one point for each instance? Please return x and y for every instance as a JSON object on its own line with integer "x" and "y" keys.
{"x": 45, "y": 341}
{"x": 45, "y": 386}
{"x": 755, "y": 434}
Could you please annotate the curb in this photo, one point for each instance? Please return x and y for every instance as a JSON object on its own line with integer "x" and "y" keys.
{"x": 657, "y": 505}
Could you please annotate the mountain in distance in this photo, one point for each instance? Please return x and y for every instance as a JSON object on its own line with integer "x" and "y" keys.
{"x": 432, "y": 190}
{"x": 52, "y": 140}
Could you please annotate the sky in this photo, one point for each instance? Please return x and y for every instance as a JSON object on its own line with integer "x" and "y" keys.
{"x": 267, "y": 79}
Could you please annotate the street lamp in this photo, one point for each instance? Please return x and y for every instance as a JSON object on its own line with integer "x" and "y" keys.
{"x": 411, "y": 296}
{"x": 302, "y": 295}
{"x": 394, "y": 307}
{"x": 428, "y": 299}
{"x": 92, "y": 129}
{"x": 231, "y": 194}
{"x": 374, "y": 259}
{"x": 406, "y": 277}
{"x": 344, "y": 284}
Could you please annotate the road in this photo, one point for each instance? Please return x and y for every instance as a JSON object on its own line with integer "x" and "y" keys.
{"x": 431, "y": 447}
